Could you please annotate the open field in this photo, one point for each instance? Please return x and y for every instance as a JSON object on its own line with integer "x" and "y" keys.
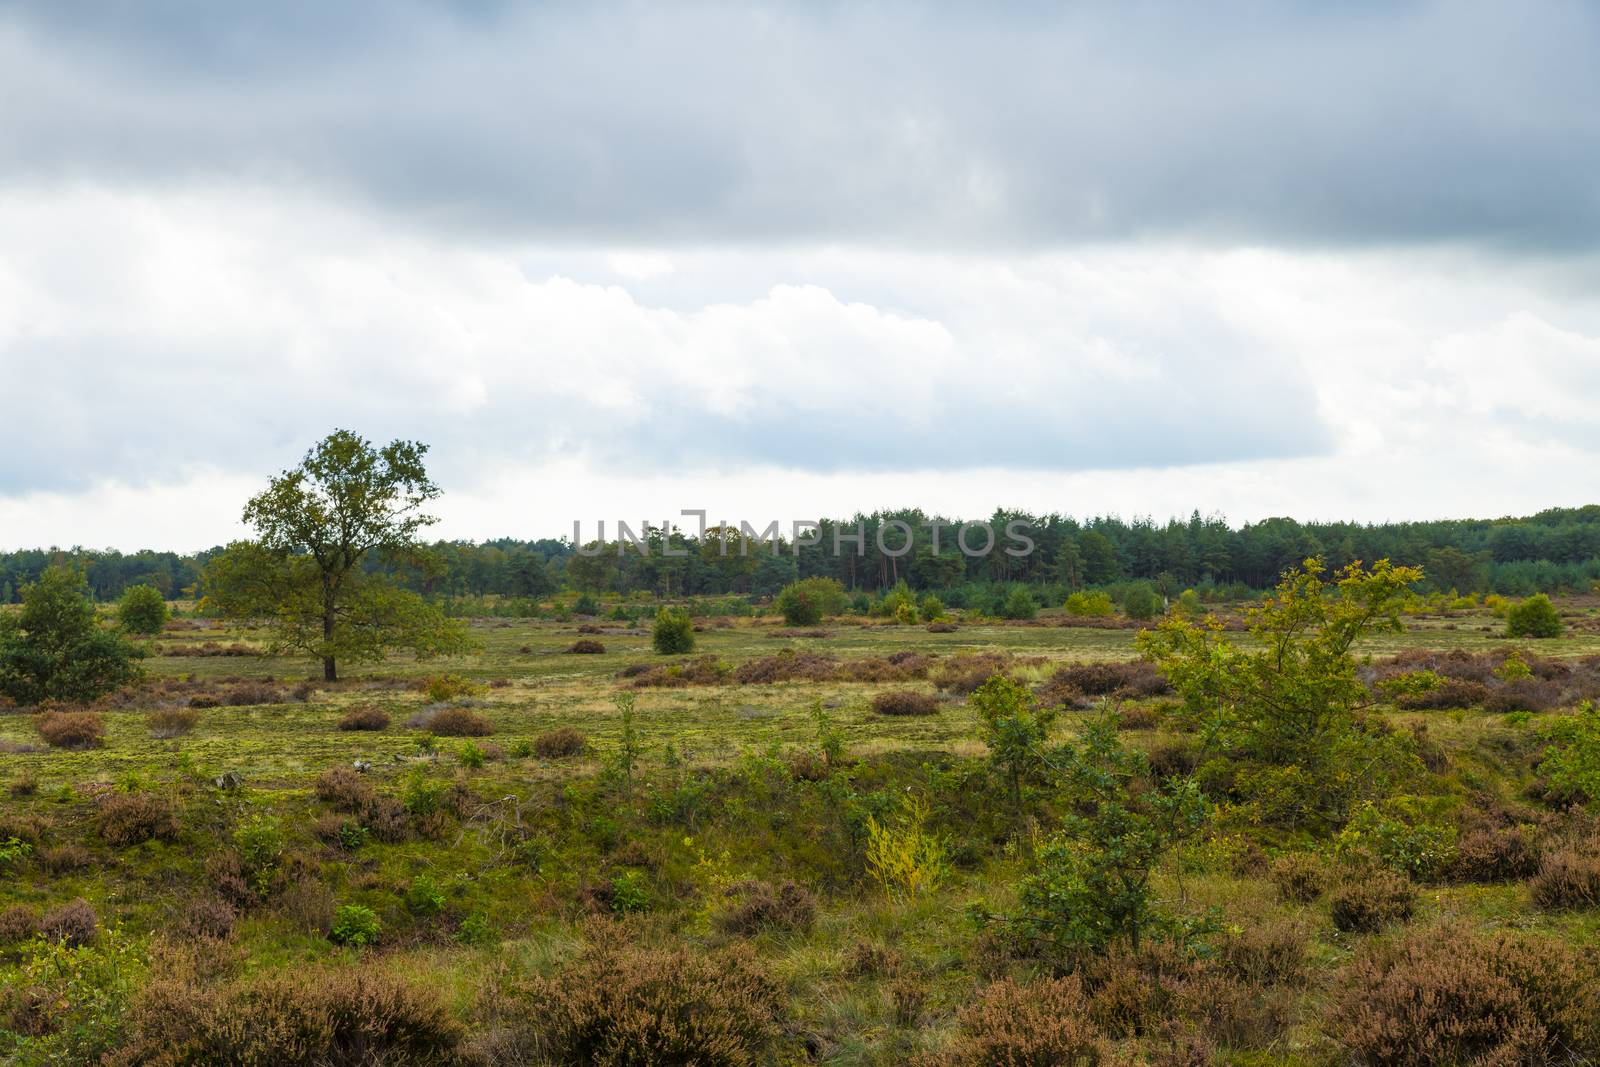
{"x": 487, "y": 864}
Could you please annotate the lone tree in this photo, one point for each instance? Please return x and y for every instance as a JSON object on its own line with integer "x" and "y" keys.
{"x": 315, "y": 527}
{"x": 56, "y": 649}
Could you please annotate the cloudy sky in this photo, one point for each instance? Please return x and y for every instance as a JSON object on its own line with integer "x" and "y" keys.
{"x": 779, "y": 261}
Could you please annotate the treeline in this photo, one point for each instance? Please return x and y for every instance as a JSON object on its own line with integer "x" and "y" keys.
{"x": 1553, "y": 551}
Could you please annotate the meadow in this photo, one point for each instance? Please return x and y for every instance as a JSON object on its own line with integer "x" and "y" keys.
{"x": 741, "y": 838}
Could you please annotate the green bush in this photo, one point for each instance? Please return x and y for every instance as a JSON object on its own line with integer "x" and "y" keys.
{"x": 355, "y": 925}
{"x": 810, "y": 600}
{"x": 673, "y": 634}
{"x": 1089, "y": 605}
{"x": 1533, "y": 617}
{"x": 55, "y": 649}
{"x": 142, "y": 610}
{"x": 1019, "y": 605}
{"x": 424, "y": 897}
{"x": 1141, "y": 602}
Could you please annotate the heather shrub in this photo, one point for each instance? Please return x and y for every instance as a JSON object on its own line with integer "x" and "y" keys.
{"x": 761, "y": 906}
{"x": 673, "y": 632}
{"x": 1446, "y": 997}
{"x": 1043, "y": 1022}
{"x": 905, "y": 702}
{"x": 1369, "y": 898}
{"x": 18, "y": 923}
{"x": 1568, "y": 877}
{"x": 63, "y": 859}
{"x": 942, "y": 626}
{"x": 1524, "y": 694}
{"x": 344, "y": 789}
{"x": 73, "y": 730}
{"x": 586, "y": 646}
{"x": 1495, "y": 855}
{"x": 618, "y": 1006}
{"x": 459, "y": 722}
{"x": 1264, "y": 951}
{"x": 167, "y": 723}
{"x": 129, "y": 818}
{"x": 559, "y": 743}
{"x": 1138, "y": 678}
{"x": 73, "y": 923}
{"x": 329, "y": 1018}
{"x": 365, "y": 718}
{"x": 208, "y": 918}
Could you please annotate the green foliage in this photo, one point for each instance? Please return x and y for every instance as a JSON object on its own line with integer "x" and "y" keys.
{"x": 1015, "y": 731}
{"x": 424, "y": 898}
{"x": 931, "y": 608}
{"x": 355, "y": 925}
{"x": 1290, "y": 698}
{"x": 899, "y": 603}
{"x": 586, "y": 605}
{"x": 476, "y": 929}
{"x": 260, "y": 843}
{"x": 304, "y": 575}
{"x": 422, "y": 795}
{"x": 1513, "y": 668}
{"x": 830, "y": 739}
{"x": 630, "y": 892}
{"x": 471, "y": 755}
{"x": 673, "y": 633}
{"x": 142, "y": 610}
{"x": 1141, "y": 602}
{"x": 1409, "y": 684}
{"x": 12, "y": 853}
{"x": 904, "y": 856}
{"x": 1533, "y": 617}
{"x": 1019, "y": 604}
{"x": 56, "y": 650}
{"x": 1089, "y": 605}
{"x": 1090, "y": 884}
{"x": 1572, "y": 762}
{"x": 443, "y": 688}
{"x": 1401, "y": 834}
{"x": 81, "y": 992}
{"x": 810, "y": 600}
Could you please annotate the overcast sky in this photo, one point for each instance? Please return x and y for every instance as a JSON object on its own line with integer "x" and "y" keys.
{"x": 785, "y": 261}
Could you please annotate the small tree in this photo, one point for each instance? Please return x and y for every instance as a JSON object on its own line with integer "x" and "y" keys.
{"x": 317, "y": 525}
{"x": 1533, "y": 617}
{"x": 55, "y": 649}
{"x": 1015, "y": 730}
{"x": 673, "y": 634}
{"x": 810, "y": 600}
{"x": 1019, "y": 605}
{"x": 1290, "y": 699}
{"x": 1090, "y": 884}
{"x": 142, "y": 610}
{"x": 1141, "y": 602}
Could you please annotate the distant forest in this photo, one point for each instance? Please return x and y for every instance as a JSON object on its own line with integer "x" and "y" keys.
{"x": 1552, "y": 551}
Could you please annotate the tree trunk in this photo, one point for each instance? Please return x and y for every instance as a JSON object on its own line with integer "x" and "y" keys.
{"x": 329, "y": 672}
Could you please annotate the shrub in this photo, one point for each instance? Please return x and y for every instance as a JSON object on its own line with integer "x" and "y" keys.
{"x": 1137, "y": 678}
{"x": 73, "y": 730}
{"x": 764, "y": 907}
{"x": 260, "y": 843}
{"x": 1524, "y": 694}
{"x": 355, "y": 925}
{"x": 1533, "y": 617}
{"x": 673, "y": 633}
{"x": 56, "y": 649}
{"x": 1141, "y": 602}
{"x": 1452, "y": 693}
{"x": 73, "y": 924}
{"x": 207, "y": 918}
{"x": 1370, "y": 899}
{"x": 931, "y": 608}
{"x": 620, "y": 1006}
{"x": 808, "y": 601}
{"x": 424, "y": 898}
{"x": 459, "y": 722}
{"x": 471, "y": 756}
{"x": 18, "y": 923}
{"x": 326, "y": 1018}
{"x": 344, "y": 789}
{"x": 1044, "y": 1022}
{"x": 942, "y": 626}
{"x": 63, "y": 859}
{"x": 558, "y": 743}
{"x": 1495, "y": 855}
{"x": 168, "y": 723}
{"x": 586, "y": 646}
{"x": 1089, "y": 605}
{"x": 1019, "y": 604}
{"x": 442, "y": 688}
{"x": 142, "y": 610}
{"x": 1265, "y": 952}
{"x": 905, "y": 702}
{"x": 129, "y": 818}
{"x": 1444, "y": 997}
{"x": 1299, "y": 877}
{"x": 905, "y": 857}
{"x": 1568, "y": 878}
{"x": 366, "y": 717}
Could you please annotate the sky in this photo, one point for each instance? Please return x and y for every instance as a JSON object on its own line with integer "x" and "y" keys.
{"x": 786, "y": 261}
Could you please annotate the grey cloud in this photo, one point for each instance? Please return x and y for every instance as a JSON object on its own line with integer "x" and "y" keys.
{"x": 946, "y": 126}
